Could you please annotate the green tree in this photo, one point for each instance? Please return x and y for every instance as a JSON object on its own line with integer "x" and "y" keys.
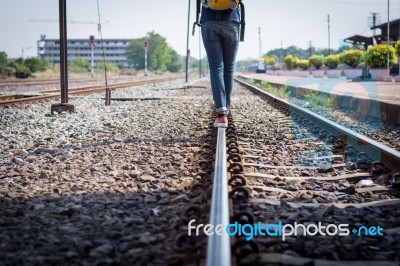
{"x": 176, "y": 62}
{"x": 161, "y": 56}
{"x": 3, "y": 59}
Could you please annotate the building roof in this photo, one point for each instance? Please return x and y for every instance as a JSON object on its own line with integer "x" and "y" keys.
{"x": 360, "y": 40}
{"x": 393, "y": 23}
{"x": 379, "y": 38}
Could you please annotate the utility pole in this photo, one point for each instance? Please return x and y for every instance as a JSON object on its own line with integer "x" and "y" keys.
{"x": 374, "y": 23}
{"x": 388, "y": 38}
{"x": 259, "y": 43}
{"x": 281, "y": 54}
{"x": 187, "y": 43}
{"x": 146, "y": 47}
{"x": 23, "y": 50}
{"x": 329, "y": 35}
{"x": 310, "y": 49}
{"x": 261, "y": 66}
{"x": 200, "y": 55}
{"x": 64, "y": 105}
{"x": 63, "y": 51}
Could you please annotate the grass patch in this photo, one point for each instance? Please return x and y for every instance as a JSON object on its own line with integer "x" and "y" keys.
{"x": 319, "y": 100}
{"x": 280, "y": 92}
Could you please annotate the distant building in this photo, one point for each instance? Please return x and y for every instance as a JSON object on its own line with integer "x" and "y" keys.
{"x": 365, "y": 41}
{"x": 114, "y": 50}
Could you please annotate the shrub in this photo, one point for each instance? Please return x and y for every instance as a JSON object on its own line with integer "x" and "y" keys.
{"x": 36, "y": 64}
{"x": 110, "y": 67}
{"x": 302, "y": 64}
{"x": 352, "y": 58}
{"x": 319, "y": 100}
{"x": 79, "y": 65}
{"x": 397, "y": 48}
{"x": 316, "y": 61}
{"x": 332, "y": 61}
{"x": 269, "y": 60}
{"x": 290, "y": 61}
{"x": 376, "y": 56}
{"x": 21, "y": 71}
{"x": 6, "y": 71}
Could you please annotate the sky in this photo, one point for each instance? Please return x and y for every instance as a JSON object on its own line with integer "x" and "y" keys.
{"x": 281, "y": 22}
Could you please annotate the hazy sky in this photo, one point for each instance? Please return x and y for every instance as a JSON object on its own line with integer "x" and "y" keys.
{"x": 294, "y": 22}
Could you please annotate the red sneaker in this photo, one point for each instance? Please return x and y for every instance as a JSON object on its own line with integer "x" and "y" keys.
{"x": 221, "y": 121}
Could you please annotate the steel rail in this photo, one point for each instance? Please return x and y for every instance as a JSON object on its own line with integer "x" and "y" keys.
{"x": 54, "y": 94}
{"x": 7, "y": 97}
{"x": 378, "y": 151}
{"x": 40, "y": 82}
{"x": 8, "y": 83}
{"x": 218, "y": 246}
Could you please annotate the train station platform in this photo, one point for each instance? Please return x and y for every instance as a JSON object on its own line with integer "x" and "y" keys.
{"x": 375, "y": 98}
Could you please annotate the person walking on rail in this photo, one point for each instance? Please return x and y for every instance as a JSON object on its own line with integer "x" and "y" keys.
{"x": 220, "y": 29}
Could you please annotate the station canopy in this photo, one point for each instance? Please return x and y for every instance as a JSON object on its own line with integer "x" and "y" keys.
{"x": 364, "y": 41}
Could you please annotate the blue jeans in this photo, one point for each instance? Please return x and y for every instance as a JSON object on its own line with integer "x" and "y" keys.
{"x": 221, "y": 41}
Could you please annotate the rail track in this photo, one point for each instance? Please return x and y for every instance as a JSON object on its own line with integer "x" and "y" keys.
{"x": 9, "y": 101}
{"x": 287, "y": 165}
{"x": 30, "y": 82}
{"x": 272, "y": 164}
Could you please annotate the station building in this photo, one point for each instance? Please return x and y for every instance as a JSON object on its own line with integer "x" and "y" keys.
{"x": 364, "y": 41}
{"x": 114, "y": 50}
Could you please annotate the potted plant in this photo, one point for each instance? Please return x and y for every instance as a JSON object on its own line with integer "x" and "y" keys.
{"x": 317, "y": 61}
{"x": 270, "y": 62}
{"x": 290, "y": 63}
{"x": 303, "y": 65}
{"x": 397, "y": 50}
{"x": 376, "y": 59}
{"x": 332, "y": 62}
{"x": 352, "y": 60}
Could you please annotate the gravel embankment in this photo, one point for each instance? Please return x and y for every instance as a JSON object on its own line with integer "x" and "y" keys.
{"x": 105, "y": 185}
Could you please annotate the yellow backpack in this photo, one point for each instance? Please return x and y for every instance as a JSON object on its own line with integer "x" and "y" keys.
{"x": 220, "y": 4}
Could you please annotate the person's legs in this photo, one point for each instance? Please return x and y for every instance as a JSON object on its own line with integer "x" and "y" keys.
{"x": 213, "y": 45}
{"x": 229, "y": 48}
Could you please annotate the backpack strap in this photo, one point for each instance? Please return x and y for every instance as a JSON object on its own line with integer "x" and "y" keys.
{"x": 242, "y": 21}
{"x": 198, "y": 10}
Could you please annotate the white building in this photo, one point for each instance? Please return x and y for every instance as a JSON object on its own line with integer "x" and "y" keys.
{"x": 114, "y": 50}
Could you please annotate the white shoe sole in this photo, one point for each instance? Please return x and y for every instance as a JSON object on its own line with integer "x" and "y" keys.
{"x": 220, "y": 125}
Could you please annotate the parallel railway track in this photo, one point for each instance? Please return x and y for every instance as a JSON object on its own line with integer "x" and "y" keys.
{"x": 30, "y": 82}
{"x": 10, "y": 100}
